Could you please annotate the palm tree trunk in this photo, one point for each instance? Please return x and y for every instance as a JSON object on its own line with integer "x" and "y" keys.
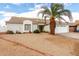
{"x": 52, "y": 25}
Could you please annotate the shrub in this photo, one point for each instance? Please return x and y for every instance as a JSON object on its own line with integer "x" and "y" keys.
{"x": 36, "y": 31}
{"x": 17, "y": 32}
{"x": 10, "y": 32}
{"x": 45, "y": 31}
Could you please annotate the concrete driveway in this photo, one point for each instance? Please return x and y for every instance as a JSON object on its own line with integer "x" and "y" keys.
{"x": 74, "y": 35}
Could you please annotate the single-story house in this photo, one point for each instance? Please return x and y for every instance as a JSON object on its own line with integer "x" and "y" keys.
{"x": 22, "y": 25}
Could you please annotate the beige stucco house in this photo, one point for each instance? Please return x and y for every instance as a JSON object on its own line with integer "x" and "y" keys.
{"x": 22, "y": 25}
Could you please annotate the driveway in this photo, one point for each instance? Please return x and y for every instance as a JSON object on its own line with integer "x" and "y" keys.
{"x": 74, "y": 35}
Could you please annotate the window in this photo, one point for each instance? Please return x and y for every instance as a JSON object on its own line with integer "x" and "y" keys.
{"x": 27, "y": 27}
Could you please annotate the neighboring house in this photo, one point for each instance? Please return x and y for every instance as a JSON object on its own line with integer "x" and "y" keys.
{"x": 22, "y": 25}
{"x": 73, "y": 27}
{"x": 2, "y": 29}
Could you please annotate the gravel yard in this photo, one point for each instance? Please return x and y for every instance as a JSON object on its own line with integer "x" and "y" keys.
{"x": 37, "y": 45}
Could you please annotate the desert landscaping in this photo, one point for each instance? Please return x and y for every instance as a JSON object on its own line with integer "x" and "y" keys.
{"x": 42, "y": 44}
{"x": 50, "y": 29}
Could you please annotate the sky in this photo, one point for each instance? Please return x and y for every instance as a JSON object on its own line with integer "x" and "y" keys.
{"x": 7, "y": 10}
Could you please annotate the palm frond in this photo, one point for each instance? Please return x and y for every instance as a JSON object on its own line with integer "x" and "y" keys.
{"x": 63, "y": 19}
{"x": 67, "y": 13}
{"x": 55, "y": 7}
{"x": 45, "y": 11}
{"x": 41, "y": 12}
{"x": 56, "y": 10}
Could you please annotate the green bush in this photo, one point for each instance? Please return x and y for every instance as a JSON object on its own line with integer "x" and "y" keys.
{"x": 10, "y": 32}
{"x": 17, "y": 32}
{"x": 36, "y": 31}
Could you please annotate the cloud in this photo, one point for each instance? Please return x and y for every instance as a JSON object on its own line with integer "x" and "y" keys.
{"x": 67, "y": 4}
{"x": 75, "y": 15}
{"x": 16, "y": 3}
{"x": 32, "y": 14}
{"x": 7, "y": 6}
{"x": 31, "y": 9}
{"x": 2, "y": 21}
{"x": 2, "y": 12}
{"x": 38, "y": 6}
{"x": 7, "y": 16}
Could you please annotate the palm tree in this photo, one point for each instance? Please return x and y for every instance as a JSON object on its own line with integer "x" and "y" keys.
{"x": 56, "y": 10}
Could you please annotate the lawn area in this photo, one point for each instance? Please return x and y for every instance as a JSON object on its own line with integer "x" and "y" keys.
{"x": 37, "y": 44}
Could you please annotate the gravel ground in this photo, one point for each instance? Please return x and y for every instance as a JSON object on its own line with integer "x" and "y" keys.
{"x": 11, "y": 49}
{"x": 37, "y": 44}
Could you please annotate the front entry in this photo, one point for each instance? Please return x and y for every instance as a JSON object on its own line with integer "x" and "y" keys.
{"x": 27, "y": 27}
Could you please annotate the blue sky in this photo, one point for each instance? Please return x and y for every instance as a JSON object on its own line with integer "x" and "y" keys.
{"x": 11, "y": 9}
{"x": 25, "y": 7}
{"x": 73, "y": 7}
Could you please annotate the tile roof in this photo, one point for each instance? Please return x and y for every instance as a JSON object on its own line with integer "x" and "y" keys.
{"x": 75, "y": 23}
{"x": 19, "y": 20}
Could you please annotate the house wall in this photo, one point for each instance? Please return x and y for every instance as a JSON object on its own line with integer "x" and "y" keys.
{"x": 19, "y": 27}
{"x": 15, "y": 27}
{"x": 78, "y": 27}
{"x": 62, "y": 29}
{"x": 58, "y": 29}
{"x": 34, "y": 27}
{"x": 47, "y": 28}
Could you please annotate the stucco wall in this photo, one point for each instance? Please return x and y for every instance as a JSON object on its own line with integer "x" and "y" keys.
{"x": 19, "y": 27}
{"x": 62, "y": 29}
{"x": 78, "y": 28}
{"x": 58, "y": 29}
{"x": 15, "y": 27}
{"x": 47, "y": 28}
{"x": 34, "y": 27}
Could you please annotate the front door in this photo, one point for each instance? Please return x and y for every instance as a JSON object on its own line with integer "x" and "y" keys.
{"x": 27, "y": 27}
